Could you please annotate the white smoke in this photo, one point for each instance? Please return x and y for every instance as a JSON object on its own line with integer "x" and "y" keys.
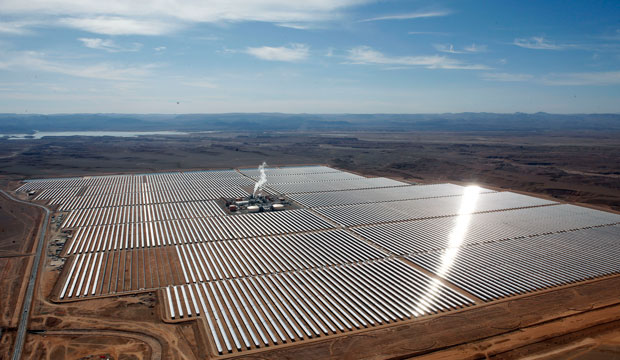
{"x": 262, "y": 180}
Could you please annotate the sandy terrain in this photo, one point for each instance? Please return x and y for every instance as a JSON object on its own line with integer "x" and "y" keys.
{"x": 18, "y": 230}
{"x": 59, "y": 344}
{"x": 579, "y": 322}
{"x": 572, "y": 166}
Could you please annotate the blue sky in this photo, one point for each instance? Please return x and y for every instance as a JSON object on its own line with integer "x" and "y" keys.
{"x": 314, "y": 56}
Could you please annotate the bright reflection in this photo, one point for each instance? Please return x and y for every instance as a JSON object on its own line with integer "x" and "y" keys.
{"x": 457, "y": 235}
{"x": 455, "y": 239}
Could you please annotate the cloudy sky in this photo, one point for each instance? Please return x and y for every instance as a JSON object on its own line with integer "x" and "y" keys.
{"x": 316, "y": 56}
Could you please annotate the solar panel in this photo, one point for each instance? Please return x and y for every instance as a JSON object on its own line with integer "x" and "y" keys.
{"x": 379, "y": 195}
{"x": 355, "y": 252}
{"x": 315, "y": 303}
{"x": 433, "y": 234}
{"x": 352, "y": 215}
{"x": 505, "y": 268}
{"x": 334, "y": 185}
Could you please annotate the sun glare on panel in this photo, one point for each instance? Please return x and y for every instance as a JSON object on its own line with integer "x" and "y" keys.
{"x": 461, "y": 225}
{"x": 455, "y": 239}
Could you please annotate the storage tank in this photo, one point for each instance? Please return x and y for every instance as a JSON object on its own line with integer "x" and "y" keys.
{"x": 277, "y": 207}
{"x": 253, "y": 208}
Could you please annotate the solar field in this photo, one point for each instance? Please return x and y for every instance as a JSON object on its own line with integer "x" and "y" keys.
{"x": 356, "y": 253}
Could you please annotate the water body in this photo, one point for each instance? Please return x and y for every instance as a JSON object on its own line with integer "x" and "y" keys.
{"x": 41, "y": 134}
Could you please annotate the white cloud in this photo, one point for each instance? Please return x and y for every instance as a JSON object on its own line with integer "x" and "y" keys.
{"x": 293, "y": 53}
{"x": 366, "y": 55}
{"x": 119, "y": 25}
{"x": 36, "y": 61}
{"x": 538, "y": 43}
{"x": 507, "y": 77}
{"x": 294, "y": 26}
{"x": 406, "y": 16}
{"x": 473, "y": 48}
{"x": 108, "y": 45}
{"x": 160, "y": 48}
{"x": 155, "y": 17}
{"x": 449, "y": 48}
{"x": 16, "y": 27}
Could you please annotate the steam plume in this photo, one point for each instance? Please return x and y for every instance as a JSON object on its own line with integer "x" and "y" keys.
{"x": 262, "y": 180}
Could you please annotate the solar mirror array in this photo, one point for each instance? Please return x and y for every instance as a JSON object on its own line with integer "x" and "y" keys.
{"x": 356, "y": 253}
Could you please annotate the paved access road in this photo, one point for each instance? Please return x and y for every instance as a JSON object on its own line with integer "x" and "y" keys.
{"x": 23, "y": 321}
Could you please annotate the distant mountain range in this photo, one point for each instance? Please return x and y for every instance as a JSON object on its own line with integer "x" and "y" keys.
{"x": 28, "y": 123}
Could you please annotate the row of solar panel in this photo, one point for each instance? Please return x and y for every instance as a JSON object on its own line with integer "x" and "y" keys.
{"x": 266, "y": 310}
{"x": 361, "y": 214}
{"x": 132, "y": 270}
{"x": 334, "y": 185}
{"x": 40, "y": 184}
{"x": 267, "y": 255}
{"x": 162, "y": 233}
{"x": 288, "y": 170}
{"x": 432, "y": 234}
{"x": 111, "y": 180}
{"x": 144, "y": 198}
{"x": 387, "y": 194}
{"x": 141, "y": 213}
{"x": 170, "y": 186}
{"x": 506, "y": 268}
